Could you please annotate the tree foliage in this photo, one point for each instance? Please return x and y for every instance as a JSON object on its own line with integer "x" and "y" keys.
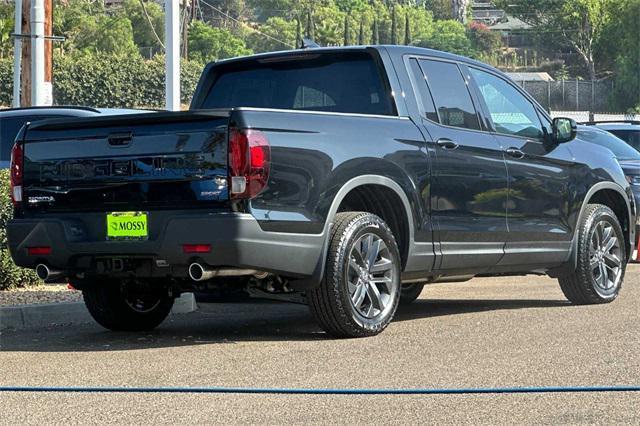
{"x": 208, "y": 44}
{"x": 577, "y": 24}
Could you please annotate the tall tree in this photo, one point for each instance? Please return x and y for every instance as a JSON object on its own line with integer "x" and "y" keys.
{"x": 407, "y": 30}
{"x": 298, "y": 33}
{"x": 347, "y": 39}
{"x": 579, "y": 24}
{"x": 394, "y": 27}
{"x": 375, "y": 36}
{"x": 459, "y": 10}
{"x": 361, "y": 32}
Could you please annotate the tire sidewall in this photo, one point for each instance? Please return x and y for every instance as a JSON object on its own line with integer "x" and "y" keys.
{"x": 363, "y": 225}
{"x": 598, "y": 215}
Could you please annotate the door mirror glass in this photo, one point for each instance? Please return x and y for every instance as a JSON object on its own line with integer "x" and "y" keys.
{"x": 564, "y": 130}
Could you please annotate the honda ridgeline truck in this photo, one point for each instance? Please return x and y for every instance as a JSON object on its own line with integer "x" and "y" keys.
{"x": 346, "y": 178}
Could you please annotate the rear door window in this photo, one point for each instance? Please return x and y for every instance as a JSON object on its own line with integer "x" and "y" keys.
{"x": 346, "y": 83}
{"x": 450, "y": 94}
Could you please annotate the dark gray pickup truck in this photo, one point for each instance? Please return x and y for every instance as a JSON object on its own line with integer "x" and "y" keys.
{"x": 346, "y": 178}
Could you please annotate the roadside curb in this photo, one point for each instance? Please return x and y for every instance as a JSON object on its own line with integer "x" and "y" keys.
{"x": 43, "y": 315}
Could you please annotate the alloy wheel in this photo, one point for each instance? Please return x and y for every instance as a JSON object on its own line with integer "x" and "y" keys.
{"x": 371, "y": 277}
{"x": 605, "y": 258}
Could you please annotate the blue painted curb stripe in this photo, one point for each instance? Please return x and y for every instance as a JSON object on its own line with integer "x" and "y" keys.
{"x": 300, "y": 391}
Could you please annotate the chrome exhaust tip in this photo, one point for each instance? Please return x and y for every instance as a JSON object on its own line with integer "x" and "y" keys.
{"x": 44, "y": 273}
{"x": 197, "y": 272}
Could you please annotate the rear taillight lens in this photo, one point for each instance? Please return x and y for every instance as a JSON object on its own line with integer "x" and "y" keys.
{"x": 196, "y": 248}
{"x": 17, "y": 173}
{"x": 39, "y": 251}
{"x": 249, "y": 162}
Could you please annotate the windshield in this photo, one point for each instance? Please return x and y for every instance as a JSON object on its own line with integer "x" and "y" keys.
{"x": 632, "y": 137}
{"x": 620, "y": 148}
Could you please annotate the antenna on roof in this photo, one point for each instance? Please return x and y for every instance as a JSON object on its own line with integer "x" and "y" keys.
{"x": 307, "y": 43}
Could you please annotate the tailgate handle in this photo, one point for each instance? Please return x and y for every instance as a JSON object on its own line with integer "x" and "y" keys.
{"x": 120, "y": 139}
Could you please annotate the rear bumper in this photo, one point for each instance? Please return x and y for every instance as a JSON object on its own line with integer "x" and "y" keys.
{"x": 236, "y": 240}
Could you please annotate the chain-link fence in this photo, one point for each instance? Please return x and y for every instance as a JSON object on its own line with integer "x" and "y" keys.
{"x": 570, "y": 95}
{"x": 582, "y": 116}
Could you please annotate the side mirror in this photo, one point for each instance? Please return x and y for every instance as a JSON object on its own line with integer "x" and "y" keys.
{"x": 564, "y": 129}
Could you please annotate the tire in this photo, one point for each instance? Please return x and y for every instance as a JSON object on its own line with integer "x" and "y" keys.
{"x": 121, "y": 306}
{"x": 410, "y": 292}
{"x": 353, "y": 299}
{"x": 587, "y": 285}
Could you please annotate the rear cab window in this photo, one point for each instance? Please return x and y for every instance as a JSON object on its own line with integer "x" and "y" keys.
{"x": 347, "y": 82}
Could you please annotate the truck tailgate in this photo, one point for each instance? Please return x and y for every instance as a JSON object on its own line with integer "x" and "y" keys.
{"x": 128, "y": 162}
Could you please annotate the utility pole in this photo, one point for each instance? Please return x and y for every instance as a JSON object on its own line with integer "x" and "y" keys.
{"x": 17, "y": 54}
{"x": 172, "y": 58}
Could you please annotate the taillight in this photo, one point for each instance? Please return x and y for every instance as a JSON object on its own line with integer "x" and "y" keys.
{"x": 17, "y": 172}
{"x": 39, "y": 251}
{"x": 196, "y": 248}
{"x": 249, "y": 162}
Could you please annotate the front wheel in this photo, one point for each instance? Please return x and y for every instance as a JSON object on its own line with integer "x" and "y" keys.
{"x": 410, "y": 292}
{"x": 601, "y": 259}
{"x": 360, "y": 292}
{"x": 127, "y": 305}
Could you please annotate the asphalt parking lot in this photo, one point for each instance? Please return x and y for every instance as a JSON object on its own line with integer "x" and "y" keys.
{"x": 506, "y": 332}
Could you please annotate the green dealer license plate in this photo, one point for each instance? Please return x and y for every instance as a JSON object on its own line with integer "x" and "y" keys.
{"x": 127, "y": 225}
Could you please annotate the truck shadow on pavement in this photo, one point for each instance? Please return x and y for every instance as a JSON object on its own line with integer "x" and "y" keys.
{"x": 231, "y": 323}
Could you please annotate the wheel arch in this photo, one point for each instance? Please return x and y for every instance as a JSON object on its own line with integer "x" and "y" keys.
{"x": 355, "y": 184}
{"x": 381, "y": 196}
{"x": 613, "y": 196}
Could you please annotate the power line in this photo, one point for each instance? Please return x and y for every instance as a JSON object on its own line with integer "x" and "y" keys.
{"x": 284, "y": 43}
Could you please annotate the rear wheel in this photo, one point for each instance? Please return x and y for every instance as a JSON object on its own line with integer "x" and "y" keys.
{"x": 361, "y": 288}
{"x": 601, "y": 259}
{"x": 127, "y": 305}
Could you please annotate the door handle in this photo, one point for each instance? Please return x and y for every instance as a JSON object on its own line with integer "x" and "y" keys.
{"x": 120, "y": 139}
{"x": 446, "y": 143}
{"x": 515, "y": 153}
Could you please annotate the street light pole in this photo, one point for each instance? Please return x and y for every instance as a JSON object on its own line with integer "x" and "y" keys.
{"x": 172, "y": 44}
{"x": 37, "y": 52}
{"x": 17, "y": 54}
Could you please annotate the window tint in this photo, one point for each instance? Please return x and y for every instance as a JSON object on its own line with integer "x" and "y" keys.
{"x": 329, "y": 82}
{"x": 512, "y": 113}
{"x": 423, "y": 91}
{"x": 450, "y": 94}
{"x": 620, "y": 149}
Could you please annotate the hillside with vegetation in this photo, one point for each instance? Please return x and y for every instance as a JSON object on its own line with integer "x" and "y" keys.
{"x": 113, "y": 54}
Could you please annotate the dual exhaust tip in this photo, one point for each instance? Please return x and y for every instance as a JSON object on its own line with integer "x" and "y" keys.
{"x": 197, "y": 272}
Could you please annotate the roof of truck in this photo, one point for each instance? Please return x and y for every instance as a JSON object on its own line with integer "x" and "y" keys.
{"x": 403, "y": 50}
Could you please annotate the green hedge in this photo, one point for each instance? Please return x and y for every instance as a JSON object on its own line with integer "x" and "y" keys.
{"x": 10, "y": 275}
{"x": 115, "y": 81}
{"x": 6, "y": 81}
